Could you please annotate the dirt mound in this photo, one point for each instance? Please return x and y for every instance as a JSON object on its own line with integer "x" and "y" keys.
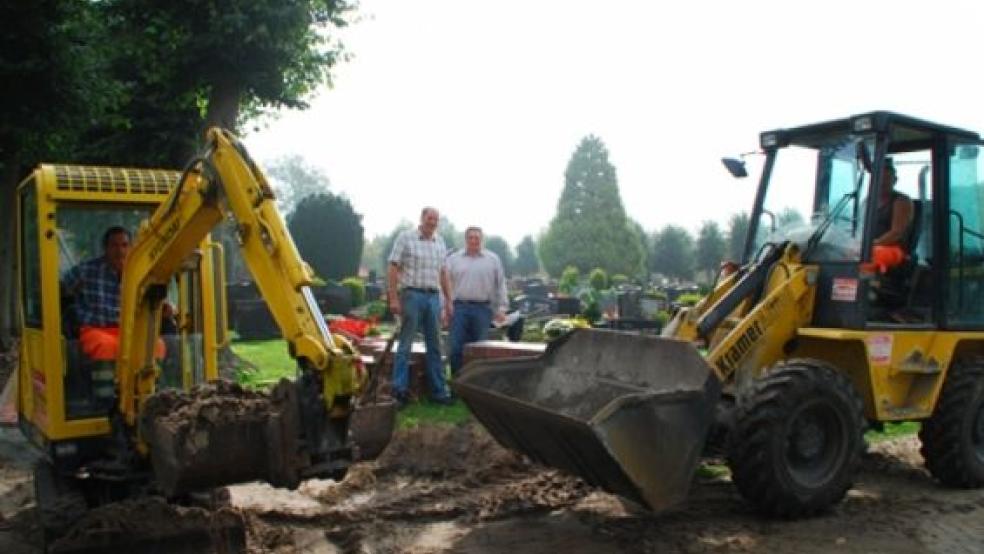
{"x": 152, "y": 525}
{"x": 897, "y": 457}
{"x": 219, "y": 434}
{"x": 446, "y": 451}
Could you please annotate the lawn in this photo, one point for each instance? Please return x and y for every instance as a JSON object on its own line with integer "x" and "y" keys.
{"x": 271, "y": 361}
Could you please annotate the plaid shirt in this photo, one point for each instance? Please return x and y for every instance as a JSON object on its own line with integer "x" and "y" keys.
{"x": 420, "y": 259}
{"x": 96, "y": 288}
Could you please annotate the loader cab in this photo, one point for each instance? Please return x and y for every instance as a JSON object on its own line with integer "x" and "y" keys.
{"x": 820, "y": 188}
{"x": 63, "y": 212}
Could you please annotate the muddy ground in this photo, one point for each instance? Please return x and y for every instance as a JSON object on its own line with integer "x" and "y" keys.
{"x": 452, "y": 489}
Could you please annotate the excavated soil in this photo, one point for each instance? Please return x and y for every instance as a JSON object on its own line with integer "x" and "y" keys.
{"x": 452, "y": 489}
{"x": 217, "y": 433}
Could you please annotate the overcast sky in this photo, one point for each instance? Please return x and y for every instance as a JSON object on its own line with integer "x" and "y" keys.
{"x": 476, "y": 107}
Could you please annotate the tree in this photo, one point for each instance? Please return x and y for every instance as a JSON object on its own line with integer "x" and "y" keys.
{"x": 328, "y": 234}
{"x": 710, "y": 248}
{"x": 54, "y": 65}
{"x": 737, "y": 234}
{"x": 598, "y": 279}
{"x": 295, "y": 179}
{"x": 526, "y": 260}
{"x": 133, "y": 82}
{"x": 590, "y": 228}
{"x": 673, "y": 253}
{"x": 373, "y": 255}
{"x": 501, "y": 248}
{"x": 646, "y": 247}
{"x": 387, "y": 246}
{"x": 236, "y": 56}
{"x": 453, "y": 238}
{"x": 570, "y": 278}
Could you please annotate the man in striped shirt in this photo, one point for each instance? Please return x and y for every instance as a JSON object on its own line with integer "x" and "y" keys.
{"x": 416, "y": 266}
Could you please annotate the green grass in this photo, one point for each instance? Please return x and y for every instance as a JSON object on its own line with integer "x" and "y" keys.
{"x": 893, "y": 430}
{"x": 272, "y": 362}
{"x": 270, "y": 359}
{"x": 422, "y": 413}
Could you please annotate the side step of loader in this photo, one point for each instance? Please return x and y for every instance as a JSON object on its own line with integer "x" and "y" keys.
{"x": 625, "y": 412}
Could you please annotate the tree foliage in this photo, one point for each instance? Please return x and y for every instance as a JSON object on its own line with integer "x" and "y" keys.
{"x": 453, "y": 238}
{"x": 497, "y": 244}
{"x": 294, "y": 180}
{"x": 673, "y": 253}
{"x": 570, "y": 278}
{"x": 737, "y": 234}
{"x": 526, "y": 260}
{"x": 235, "y": 56}
{"x": 328, "y": 234}
{"x": 134, "y": 82}
{"x": 590, "y": 228}
{"x": 598, "y": 279}
{"x": 387, "y": 245}
{"x": 373, "y": 256}
{"x": 711, "y": 247}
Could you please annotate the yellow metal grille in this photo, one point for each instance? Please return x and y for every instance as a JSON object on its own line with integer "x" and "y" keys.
{"x": 114, "y": 179}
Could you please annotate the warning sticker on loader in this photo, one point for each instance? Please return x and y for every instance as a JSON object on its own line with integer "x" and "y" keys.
{"x": 844, "y": 290}
{"x": 879, "y": 349}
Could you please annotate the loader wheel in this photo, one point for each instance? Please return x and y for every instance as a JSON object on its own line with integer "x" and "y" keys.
{"x": 953, "y": 437}
{"x": 798, "y": 439}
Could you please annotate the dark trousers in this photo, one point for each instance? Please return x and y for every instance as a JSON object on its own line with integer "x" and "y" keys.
{"x": 470, "y": 323}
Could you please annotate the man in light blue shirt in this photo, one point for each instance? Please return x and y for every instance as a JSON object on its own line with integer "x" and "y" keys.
{"x": 478, "y": 287}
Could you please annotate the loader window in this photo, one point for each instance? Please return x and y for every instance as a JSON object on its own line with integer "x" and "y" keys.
{"x": 965, "y": 290}
{"x": 31, "y": 257}
{"x": 808, "y": 183}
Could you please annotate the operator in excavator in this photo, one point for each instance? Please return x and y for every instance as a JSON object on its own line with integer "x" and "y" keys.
{"x": 93, "y": 287}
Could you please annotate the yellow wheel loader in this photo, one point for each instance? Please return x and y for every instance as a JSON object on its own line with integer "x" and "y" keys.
{"x": 793, "y": 355}
{"x": 100, "y": 424}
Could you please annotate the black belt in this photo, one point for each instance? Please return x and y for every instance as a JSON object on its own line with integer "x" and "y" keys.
{"x": 424, "y": 290}
{"x": 478, "y": 302}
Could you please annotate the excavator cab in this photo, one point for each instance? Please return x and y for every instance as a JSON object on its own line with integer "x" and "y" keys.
{"x": 65, "y": 395}
{"x": 784, "y": 364}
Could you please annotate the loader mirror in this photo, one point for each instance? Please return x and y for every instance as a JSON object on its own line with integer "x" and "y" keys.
{"x": 735, "y": 167}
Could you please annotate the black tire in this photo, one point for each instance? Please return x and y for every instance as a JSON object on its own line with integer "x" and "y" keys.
{"x": 953, "y": 437}
{"x": 798, "y": 439}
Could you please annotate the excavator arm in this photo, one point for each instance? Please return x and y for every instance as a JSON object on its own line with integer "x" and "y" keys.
{"x": 224, "y": 182}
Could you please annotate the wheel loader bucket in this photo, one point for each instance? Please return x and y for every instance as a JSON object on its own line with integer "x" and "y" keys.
{"x": 625, "y": 412}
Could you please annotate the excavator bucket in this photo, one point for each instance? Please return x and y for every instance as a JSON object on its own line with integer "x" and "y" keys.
{"x": 625, "y": 412}
{"x": 371, "y": 427}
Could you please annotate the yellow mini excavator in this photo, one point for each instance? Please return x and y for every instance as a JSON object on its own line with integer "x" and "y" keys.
{"x": 791, "y": 357}
{"x": 102, "y": 443}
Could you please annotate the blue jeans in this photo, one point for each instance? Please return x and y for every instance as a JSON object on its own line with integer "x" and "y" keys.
{"x": 470, "y": 323}
{"x": 423, "y": 310}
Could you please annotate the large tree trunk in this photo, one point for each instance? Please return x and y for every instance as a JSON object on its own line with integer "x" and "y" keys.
{"x": 8, "y": 250}
{"x": 223, "y": 104}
